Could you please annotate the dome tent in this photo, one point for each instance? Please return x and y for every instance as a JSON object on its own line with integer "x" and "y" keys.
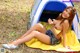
{"x": 44, "y": 9}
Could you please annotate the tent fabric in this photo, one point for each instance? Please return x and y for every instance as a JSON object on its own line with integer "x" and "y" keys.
{"x": 71, "y": 38}
{"x": 55, "y": 6}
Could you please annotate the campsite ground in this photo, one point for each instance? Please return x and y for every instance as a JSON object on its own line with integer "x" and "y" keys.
{"x": 14, "y": 15}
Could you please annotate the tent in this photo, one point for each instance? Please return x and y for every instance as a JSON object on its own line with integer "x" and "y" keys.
{"x": 44, "y": 9}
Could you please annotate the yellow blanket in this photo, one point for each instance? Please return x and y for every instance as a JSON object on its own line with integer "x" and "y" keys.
{"x": 72, "y": 42}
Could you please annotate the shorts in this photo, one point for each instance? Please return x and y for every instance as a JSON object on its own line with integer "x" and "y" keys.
{"x": 53, "y": 39}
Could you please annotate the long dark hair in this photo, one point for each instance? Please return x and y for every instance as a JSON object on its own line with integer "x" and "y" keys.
{"x": 72, "y": 13}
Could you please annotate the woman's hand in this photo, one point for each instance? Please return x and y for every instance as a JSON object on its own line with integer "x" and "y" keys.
{"x": 50, "y": 21}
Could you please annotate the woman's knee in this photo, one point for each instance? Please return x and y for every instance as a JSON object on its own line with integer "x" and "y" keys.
{"x": 39, "y": 25}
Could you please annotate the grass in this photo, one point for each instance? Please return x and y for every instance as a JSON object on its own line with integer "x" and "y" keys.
{"x": 14, "y": 15}
{"x": 77, "y": 6}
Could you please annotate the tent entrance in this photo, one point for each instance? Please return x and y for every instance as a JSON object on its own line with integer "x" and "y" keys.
{"x": 51, "y": 10}
{"x": 46, "y": 14}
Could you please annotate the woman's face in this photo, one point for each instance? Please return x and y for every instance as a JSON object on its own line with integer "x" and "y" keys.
{"x": 65, "y": 13}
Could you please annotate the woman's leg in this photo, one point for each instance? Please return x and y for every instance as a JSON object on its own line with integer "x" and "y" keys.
{"x": 35, "y": 34}
{"x": 38, "y": 27}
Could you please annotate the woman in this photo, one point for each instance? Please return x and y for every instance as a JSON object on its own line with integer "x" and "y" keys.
{"x": 48, "y": 36}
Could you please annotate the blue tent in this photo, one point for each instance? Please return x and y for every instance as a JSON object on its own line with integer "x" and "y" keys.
{"x": 44, "y": 9}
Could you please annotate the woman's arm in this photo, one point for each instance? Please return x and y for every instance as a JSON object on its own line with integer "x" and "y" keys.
{"x": 65, "y": 27}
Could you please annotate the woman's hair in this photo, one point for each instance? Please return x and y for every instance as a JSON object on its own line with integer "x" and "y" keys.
{"x": 72, "y": 12}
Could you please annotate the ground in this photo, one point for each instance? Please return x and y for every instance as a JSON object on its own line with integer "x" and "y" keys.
{"x": 14, "y": 15}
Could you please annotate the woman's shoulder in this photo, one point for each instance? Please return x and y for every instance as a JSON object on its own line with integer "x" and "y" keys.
{"x": 65, "y": 23}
